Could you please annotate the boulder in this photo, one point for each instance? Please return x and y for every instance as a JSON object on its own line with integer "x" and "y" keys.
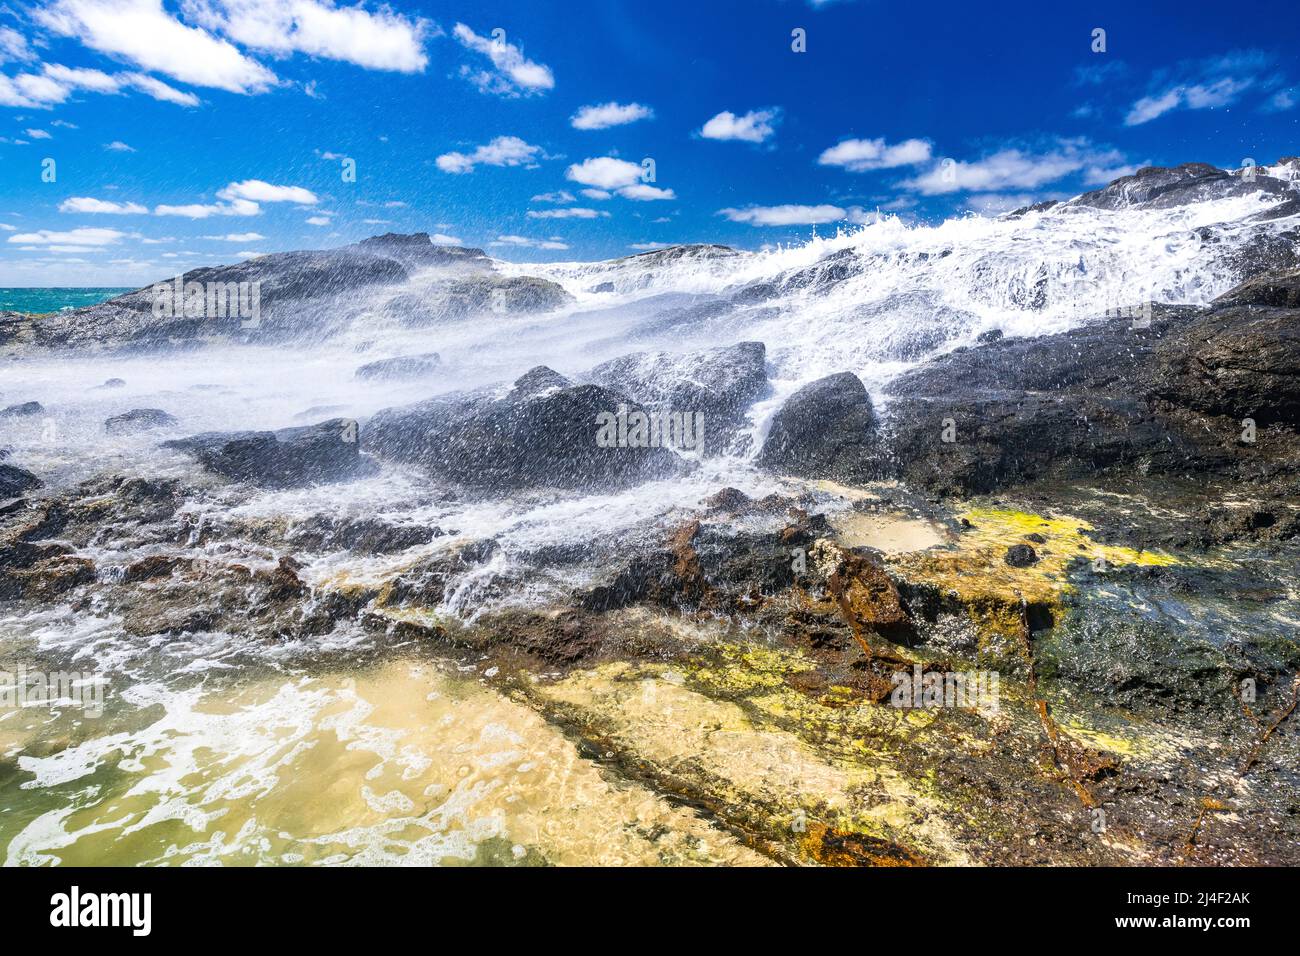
{"x": 23, "y": 410}
{"x": 138, "y": 420}
{"x": 824, "y": 430}
{"x": 15, "y": 481}
{"x": 291, "y": 457}
{"x": 533, "y": 437}
{"x": 718, "y": 383}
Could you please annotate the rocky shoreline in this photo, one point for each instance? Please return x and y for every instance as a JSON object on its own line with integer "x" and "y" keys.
{"x": 1103, "y": 520}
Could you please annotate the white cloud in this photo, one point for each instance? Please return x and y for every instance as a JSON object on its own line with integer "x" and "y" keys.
{"x": 159, "y": 90}
{"x": 609, "y": 114}
{"x": 604, "y": 172}
{"x": 597, "y": 194}
{"x": 994, "y": 204}
{"x": 861, "y": 155}
{"x": 81, "y": 240}
{"x": 38, "y": 134}
{"x": 754, "y": 127}
{"x": 13, "y": 46}
{"x": 647, "y": 246}
{"x": 524, "y": 241}
{"x": 117, "y": 146}
{"x": 55, "y": 83}
{"x": 318, "y": 220}
{"x": 1281, "y": 101}
{"x": 239, "y": 207}
{"x": 441, "y": 239}
{"x": 255, "y": 190}
{"x": 788, "y": 215}
{"x": 1206, "y": 84}
{"x": 502, "y": 151}
{"x": 645, "y": 193}
{"x": 237, "y": 237}
{"x": 85, "y": 204}
{"x": 382, "y": 40}
{"x": 143, "y": 32}
{"x": 513, "y": 71}
{"x": 1012, "y": 168}
{"x": 559, "y": 196}
{"x": 576, "y": 212}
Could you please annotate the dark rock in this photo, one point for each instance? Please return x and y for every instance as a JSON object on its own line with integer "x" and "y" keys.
{"x": 1158, "y": 187}
{"x": 1280, "y": 290}
{"x": 360, "y": 535}
{"x": 402, "y": 367}
{"x": 824, "y": 430}
{"x": 138, "y": 420}
{"x": 718, "y": 383}
{"x": 113, "y": 383}
{"x": 989, "y": 335}
{"x": 547, "y": 438}
{"x": 538, "y": 381}
{"x": 603, "y": 287}
{"x": 1020, "y": 556}
{"x": 1235, "y": 362}
{"x": 473, "y": 295}
{"x": 291, "y": 457}
{"x": 26, "y": 408}
{"x": 15, "y": 481}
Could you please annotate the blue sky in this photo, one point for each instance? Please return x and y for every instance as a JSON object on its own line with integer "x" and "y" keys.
{"x": 199, "y": 132}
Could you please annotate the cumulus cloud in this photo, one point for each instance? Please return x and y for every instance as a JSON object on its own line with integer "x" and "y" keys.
{"x": 754, "y": 127}
{"x": 559, "y": 196}
{"x": 240, "y": 207}
{"x": 1013, "y": 168}
{"x": 85, "y": 239}
{"x": 512, "y": 72}
{"x": 862, "y": 155}
{"x": 524, "y": 241}
{"x": 379, "y": 40}
{"x": 502, "y": 151}
{"x": 55, "y": 83}
{"x": 606, "y": 175}
{"x": 609, "y": 114}
{"x": 117, "y": 146}
{"x": 237, "y": 237}
{"x": 576, "y": 212}
{"x": 642, "y": 192}
{"x": 255, "y": 190}
{"x": 787, "y": 215}
{"x": 86, "y": 204}
{"x": 142, "y": 32}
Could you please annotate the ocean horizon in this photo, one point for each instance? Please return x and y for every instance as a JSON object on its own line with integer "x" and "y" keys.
{"x": 41, "y": 299}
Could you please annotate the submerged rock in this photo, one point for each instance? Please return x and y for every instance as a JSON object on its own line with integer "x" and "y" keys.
{"x": 533, "y": 437}
{"x": 401, "y": 367}
{"x": 22, "y": 410}
{"x": 138, "y": 420}
{"x": 824, "y": 430}
{"x": 291, "y": 457}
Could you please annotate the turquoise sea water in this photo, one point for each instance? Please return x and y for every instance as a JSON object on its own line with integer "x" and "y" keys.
{"x": 52, "y": 300}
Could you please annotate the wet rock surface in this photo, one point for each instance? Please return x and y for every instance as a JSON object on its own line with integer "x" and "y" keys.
{"x": 310, "y": 454}
{"x": 541, "y": 434}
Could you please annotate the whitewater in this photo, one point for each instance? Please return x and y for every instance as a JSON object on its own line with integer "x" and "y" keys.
{"x": 212, "y": 746}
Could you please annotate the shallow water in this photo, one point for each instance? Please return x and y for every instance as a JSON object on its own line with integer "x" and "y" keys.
{"x": 212, "y": 750}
